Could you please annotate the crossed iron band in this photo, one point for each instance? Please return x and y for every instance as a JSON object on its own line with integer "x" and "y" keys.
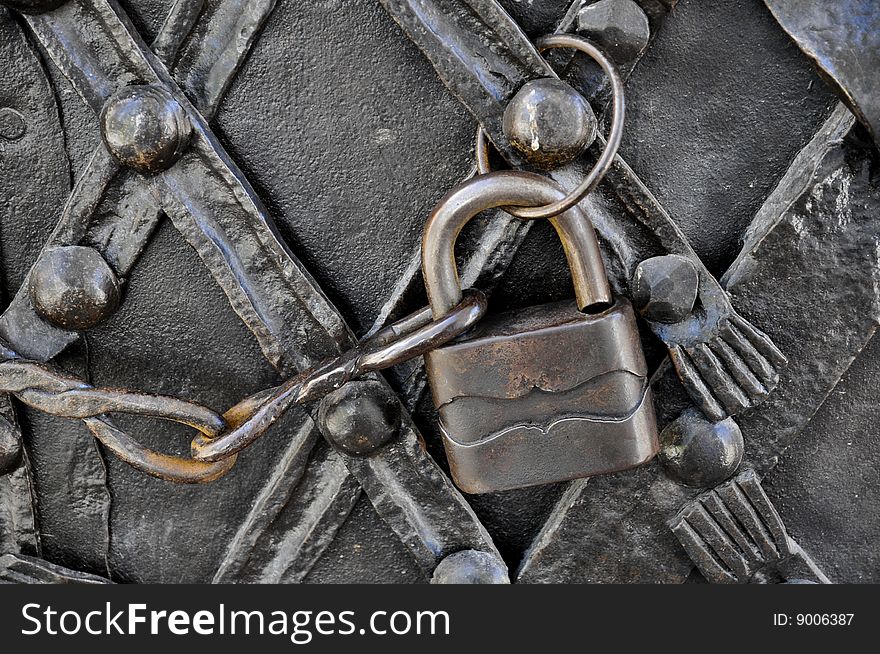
{"x": 720, "y": 513}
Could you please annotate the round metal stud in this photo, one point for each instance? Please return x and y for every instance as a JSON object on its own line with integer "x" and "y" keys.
{"x": 700, "y": 453}
{"x": 470, "y": 567}
{"x": 360, "y": 417}
{"x": 612, "y": 143}
{"x": 73, "y": 287}
{"x": 664, "y": 289}
{"x": 145, "y": 128}
{"x": 549, "y": 123}
{"x": 12, "y": 125}
{"x": 33, "y": 6}
{"x": 10, "y": 447}
{"x": 619, "y": 27}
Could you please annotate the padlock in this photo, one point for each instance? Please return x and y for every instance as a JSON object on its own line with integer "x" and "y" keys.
{"x": 546, "y": 394}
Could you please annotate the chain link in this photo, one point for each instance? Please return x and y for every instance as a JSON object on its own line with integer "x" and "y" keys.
{"x": 220, "y": 438}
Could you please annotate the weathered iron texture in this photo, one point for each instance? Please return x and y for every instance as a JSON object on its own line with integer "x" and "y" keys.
{"x": 843, "y": 40}
{"x": 635, "y": 227}
{"x": 802, "y": 237}
{"x": 337, "y": 154}
{"x": 20, "y": 569}
{"x": 480, "y": 53}
{"x": 264, "y": 283}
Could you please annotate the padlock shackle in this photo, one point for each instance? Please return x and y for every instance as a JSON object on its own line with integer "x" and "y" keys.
{"x": 499, "y": 189}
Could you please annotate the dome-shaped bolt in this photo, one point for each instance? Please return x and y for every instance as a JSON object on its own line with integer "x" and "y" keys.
{"x": 33, "y": 6}
{"x": 73, "y": 287}
{"x": 619, "y": 27}
{"x": 12, "y": 125}
{"x": 664, "y": 289}
{"x": 360, "y": 417}
{"x": 470, "y": 567}
{"x": 145, "y": 128}
{"x": 700, "y": 453}
{"x": 549, "y": 123}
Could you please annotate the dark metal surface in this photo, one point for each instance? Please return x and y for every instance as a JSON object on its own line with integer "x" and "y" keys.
{"x": 129, "y": 53}
{"x": 20, "y": 569}
{"x": 351, "y": 209}
{"x": 796, "y": 244}
{"x": 34, "y": 6}
{"x": 843, "y": 40}
{"x": 636, "y": 227}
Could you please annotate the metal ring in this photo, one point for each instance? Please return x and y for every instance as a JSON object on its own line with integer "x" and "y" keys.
{"x": 181, "y": 470}
{"x": 413, "y": 336}
{"x": 612, "y": 144}
{"x": 59, "y": 394}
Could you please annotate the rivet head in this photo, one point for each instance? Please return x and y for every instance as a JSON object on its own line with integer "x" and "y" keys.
{"x": 10, "y": 447}
{"x": 12, "y": 124}
{"x": 33, "y": 6}
{"x": 360, "y": 417}
{"x": 549, "y": 123}
{"x": 664, "y": 289}
{"x": 73, "y": 287}
{"x": 470, "y": 567}
{"x": 145, "y": 128}
{"x": 700, "y": 453}
{"x": 619, "y": 27}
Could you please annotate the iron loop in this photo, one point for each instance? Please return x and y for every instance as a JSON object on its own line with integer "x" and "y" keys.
{"x": 611, "y": 146}
{"x": 56, "y": 393}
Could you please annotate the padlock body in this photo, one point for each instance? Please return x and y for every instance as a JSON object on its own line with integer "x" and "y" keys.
{"x": 542, "y": 395}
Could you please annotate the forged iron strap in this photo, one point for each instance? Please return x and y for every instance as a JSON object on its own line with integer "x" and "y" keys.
{"x": 220, "y": 438}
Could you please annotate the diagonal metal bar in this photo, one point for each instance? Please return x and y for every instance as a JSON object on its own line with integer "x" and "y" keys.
{"x": 22, "y": 569}
{"x": 308, "y": 511}
{"x": 110, "y": 208}
{"x": 207, "y": 61}
{"x": 479, "y": 52}
{"x": 177, "y": 26}
{"x": 231, "y": 231}
{"x": 124, "y": 197}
